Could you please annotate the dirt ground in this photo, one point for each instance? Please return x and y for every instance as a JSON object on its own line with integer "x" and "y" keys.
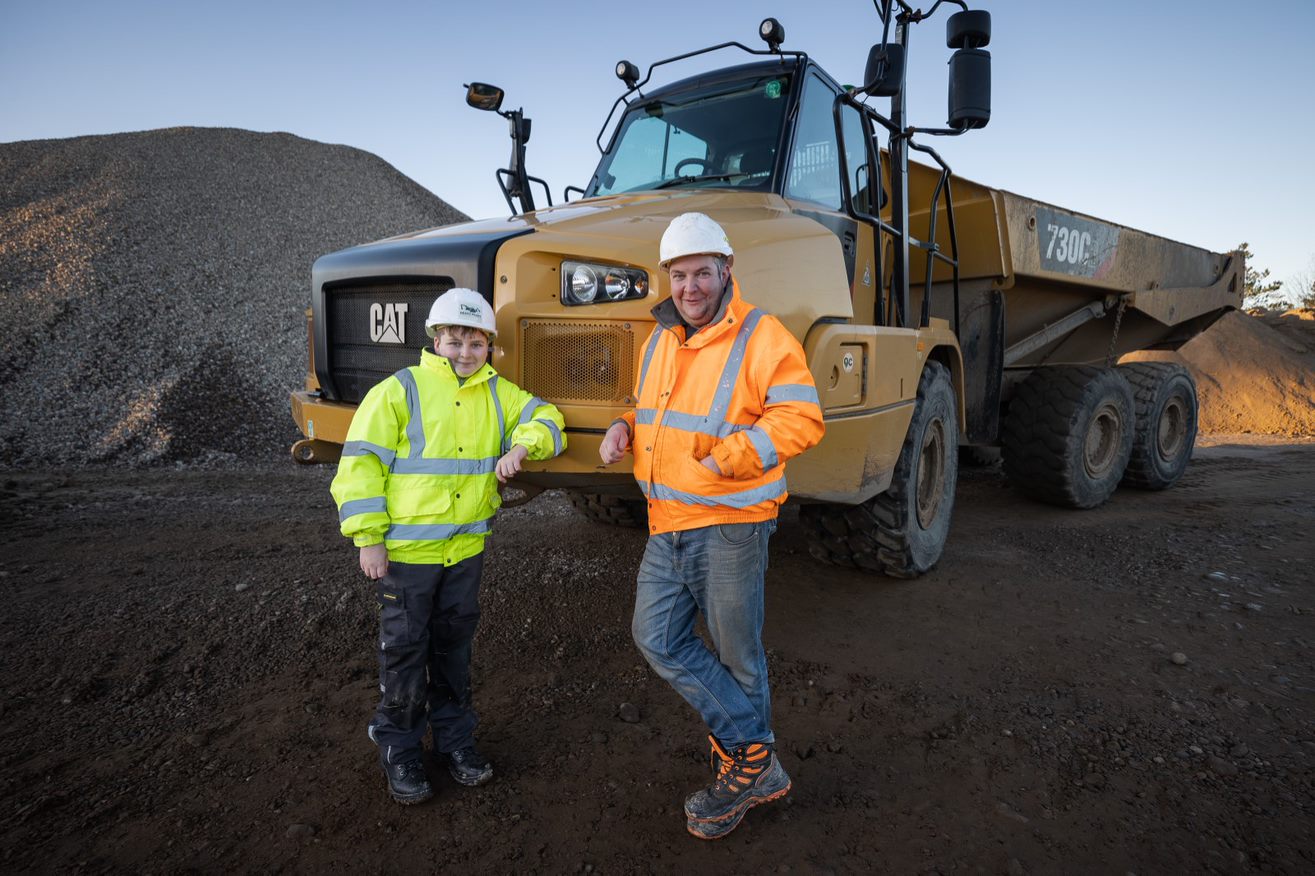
{"x": 188, "y": 670}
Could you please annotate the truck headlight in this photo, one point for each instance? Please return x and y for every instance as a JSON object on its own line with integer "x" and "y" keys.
{"x": 585, "y": 283}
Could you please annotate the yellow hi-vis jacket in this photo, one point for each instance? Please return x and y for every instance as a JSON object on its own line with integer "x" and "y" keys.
{"x": 417, "y": 468}
{"x": 739, "y": 390}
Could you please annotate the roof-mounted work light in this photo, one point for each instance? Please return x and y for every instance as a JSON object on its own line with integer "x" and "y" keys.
{"x": 772, "y": 32}
{"x": 627, "y": 73}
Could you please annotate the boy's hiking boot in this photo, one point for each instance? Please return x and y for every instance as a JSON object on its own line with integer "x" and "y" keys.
{"x": 407, "y": 782}
{"x": 469, "y": 767}
{"x": 747, "y": 776}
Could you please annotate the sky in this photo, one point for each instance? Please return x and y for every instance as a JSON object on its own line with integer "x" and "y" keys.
{"x": 1190, "y": 119}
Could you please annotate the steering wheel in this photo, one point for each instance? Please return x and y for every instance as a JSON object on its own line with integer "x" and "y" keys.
{"x": 702, "y": 162}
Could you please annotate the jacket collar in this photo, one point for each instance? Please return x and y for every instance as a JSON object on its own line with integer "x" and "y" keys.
{"x": 668, "y": 317}
{"x": 440, "y": 365}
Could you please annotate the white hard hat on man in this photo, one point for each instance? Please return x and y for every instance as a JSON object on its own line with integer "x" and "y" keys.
{"x": 692, "y": 234}
{"x": 461, "y": 306}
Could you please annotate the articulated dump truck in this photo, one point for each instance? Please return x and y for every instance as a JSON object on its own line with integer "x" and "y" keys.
{"x": 939, "y": 315}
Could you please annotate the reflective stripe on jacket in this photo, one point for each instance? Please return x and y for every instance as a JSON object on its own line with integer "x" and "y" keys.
{"x": 739, "y": 390}
{"x": 417, "y": 467}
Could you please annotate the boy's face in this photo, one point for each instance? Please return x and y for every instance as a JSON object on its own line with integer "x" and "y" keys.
{"x": 467, "y": 351}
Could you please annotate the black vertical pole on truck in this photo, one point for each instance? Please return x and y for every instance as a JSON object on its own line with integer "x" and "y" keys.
{"x": 899, "y": 184}
{"x": 520, "y": 134}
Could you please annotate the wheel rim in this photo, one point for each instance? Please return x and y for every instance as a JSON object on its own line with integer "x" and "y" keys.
{"x": 1103, "y": 438}
{"x": 1172, "y": 431}
{"x": 931, "y": 473}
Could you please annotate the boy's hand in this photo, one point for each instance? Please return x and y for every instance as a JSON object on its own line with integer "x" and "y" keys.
{"x": 374, "y": 561}
{"x": 615, "y": 443}
{"x": 510, "y": 464}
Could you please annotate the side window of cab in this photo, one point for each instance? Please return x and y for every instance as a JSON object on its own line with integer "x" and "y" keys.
{"x": 856, "y": 159}
{"x": 814, "y": 173}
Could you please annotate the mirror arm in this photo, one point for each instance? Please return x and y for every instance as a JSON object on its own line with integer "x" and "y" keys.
{"x": 517, "y": 181}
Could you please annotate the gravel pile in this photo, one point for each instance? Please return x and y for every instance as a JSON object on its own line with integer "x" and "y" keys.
{"x": 154, "y": 286}
{"x": 1253, "y": 372}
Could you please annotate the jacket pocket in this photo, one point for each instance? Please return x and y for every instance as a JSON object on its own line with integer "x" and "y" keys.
{"x": 494, "y": 498}
{"x": 417, "y": 500}
{"x": 703, "y": 474}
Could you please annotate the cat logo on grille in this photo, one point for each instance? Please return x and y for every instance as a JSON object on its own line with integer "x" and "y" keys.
{"x": 388, "y": 323}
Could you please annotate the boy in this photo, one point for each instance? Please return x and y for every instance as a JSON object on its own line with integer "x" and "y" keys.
{"x": 416, "y": 493}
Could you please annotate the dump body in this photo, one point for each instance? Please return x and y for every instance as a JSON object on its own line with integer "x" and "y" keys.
{"x": 1041, "y": 285}
{"x": 1173, "y": 290}
{"x": 1052, "y": 262}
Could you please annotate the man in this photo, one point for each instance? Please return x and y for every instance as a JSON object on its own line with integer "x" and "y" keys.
{"x": 725, "y": 398}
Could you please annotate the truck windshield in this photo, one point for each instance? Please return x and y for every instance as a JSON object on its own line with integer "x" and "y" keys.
{"x": 722, "y": 135}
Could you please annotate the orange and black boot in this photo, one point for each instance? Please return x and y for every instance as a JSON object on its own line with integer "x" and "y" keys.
{"x": 717, "y": 757}
{"x": 747, "y": 776}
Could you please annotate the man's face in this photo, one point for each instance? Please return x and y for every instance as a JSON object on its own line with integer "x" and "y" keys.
{"x": 696, "y": 286}
{"x": 467, "y": 352}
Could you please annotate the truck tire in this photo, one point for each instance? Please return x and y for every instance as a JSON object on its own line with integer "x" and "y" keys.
{"x": 902, "y": 531}
{"x": 1164, "y": 396}
{"x": 610, "y": 509}
{"x": 1068, "y": 434}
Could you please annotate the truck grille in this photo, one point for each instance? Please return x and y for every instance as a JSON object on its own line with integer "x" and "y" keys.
{"x": 356, "y": 361}
{"x": 579, "y": 362}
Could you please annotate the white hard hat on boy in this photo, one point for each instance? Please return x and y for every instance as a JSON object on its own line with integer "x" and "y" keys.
{"x": 692, "y": 234}
{"x": 461, "y": 307}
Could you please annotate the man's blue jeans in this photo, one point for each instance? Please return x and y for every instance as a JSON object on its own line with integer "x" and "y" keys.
{"x": 719, "y": 571}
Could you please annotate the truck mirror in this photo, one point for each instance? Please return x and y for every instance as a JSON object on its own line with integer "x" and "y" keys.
{"x": 885, "y": 70}
{"x": 969, "y": 29}
{"x": 970, "y": 89}
{"x": 483, "y": 96}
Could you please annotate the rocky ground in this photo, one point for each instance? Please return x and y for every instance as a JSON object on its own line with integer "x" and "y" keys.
{"x": 188, "y": 671}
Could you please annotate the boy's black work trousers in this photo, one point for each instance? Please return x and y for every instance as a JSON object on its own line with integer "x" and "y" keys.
{"x": 427, "y": 619}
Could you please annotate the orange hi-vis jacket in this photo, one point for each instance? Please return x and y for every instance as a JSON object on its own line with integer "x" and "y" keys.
{"x": 739, "y": 390}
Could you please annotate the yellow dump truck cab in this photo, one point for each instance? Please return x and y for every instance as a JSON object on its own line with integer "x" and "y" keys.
{"x": 896, "y": 278}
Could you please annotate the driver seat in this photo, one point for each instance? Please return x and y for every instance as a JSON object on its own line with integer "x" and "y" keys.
{"x": 756, "y": 161}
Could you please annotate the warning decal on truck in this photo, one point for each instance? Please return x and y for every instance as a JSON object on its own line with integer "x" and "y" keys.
{"x": 1076, "y": 246}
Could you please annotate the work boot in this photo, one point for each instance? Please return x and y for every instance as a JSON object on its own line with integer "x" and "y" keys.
{"x": 469, "y": 767}
{"x": 717, "y": 756}
{"x": 407, "y": 782}
{"x": 749, "y": 775}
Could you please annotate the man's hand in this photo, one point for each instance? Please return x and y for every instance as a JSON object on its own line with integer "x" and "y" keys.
{"x": 510, "y": 464}
{"x": 615, "y": 443}
{"x": 374, "y": 561}
{"x": 711, "y": 465}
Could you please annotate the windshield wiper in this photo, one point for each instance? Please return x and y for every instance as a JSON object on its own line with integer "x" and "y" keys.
{"x": 703, "y": 177}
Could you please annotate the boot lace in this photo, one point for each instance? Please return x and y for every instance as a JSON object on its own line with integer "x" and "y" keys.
{"x": 410, "y": 768}
{"x": 739, "y": 770}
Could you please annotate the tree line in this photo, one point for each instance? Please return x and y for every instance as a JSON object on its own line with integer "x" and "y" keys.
{"x": 1264, "y": 292}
